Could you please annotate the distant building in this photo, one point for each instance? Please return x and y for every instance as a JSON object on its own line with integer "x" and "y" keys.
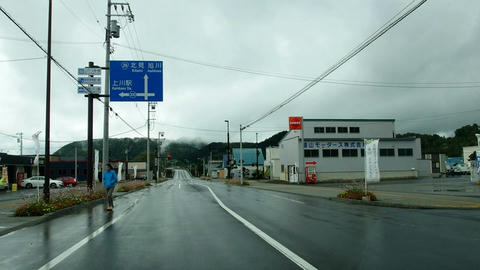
{"x": 335, "y": 148}
{"x": 249, "y": 159}
{"x": 272, "y": 162}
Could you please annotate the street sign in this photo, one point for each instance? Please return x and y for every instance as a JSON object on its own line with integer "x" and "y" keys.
{"x": 295, "y": 122}
{"x": 136, "y": 81}
{"x": 90, "y": 80}
{"x": 310, "y": 163}
{"x": 89, "y": 90}
{"x": 89, "y": 71}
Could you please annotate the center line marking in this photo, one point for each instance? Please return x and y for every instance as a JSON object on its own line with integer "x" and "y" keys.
{"x": 274, "y": 243}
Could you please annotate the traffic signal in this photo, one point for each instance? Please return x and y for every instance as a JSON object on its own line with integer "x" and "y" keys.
{"x": 169, "y": 156}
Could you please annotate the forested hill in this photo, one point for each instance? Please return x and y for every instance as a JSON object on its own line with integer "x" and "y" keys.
{"x": 452, "y": 146}
{"x": 179, "y": 150}
{"x": 190, "y": 151}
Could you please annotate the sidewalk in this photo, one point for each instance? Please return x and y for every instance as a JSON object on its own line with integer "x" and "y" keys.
{"x": 385, "y": 198}
{"x": 9, "y": 222}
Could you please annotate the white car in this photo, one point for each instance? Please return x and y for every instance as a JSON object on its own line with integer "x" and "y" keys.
{"x": 35, "y": 181}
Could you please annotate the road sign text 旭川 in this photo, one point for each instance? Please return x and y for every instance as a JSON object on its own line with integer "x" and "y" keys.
{"x": 136, "y": 81}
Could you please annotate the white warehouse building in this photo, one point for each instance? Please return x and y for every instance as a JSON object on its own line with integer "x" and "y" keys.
{"x": 335, "y": 148}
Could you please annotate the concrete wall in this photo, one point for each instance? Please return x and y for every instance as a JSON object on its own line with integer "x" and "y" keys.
{"x": 273, "y": 162}
{"x": 361, "y": 175}
{"x": 355, "y": 164}
{"x": 289, "y": 152}
{"x": 368, "y": 129}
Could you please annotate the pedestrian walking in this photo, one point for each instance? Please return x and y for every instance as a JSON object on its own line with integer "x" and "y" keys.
{"x": 109, "y": 181}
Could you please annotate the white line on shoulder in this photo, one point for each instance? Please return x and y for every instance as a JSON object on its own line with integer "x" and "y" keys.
{"x": 274, "y": 243}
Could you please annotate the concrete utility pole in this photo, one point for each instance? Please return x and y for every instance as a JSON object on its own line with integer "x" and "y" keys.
{"x": 20, "y": 140}
{"x": 115, "y": 33}
{"x": 256, "y": 152}
{"x": 46, "y": 184}
{"x": 76, "y": 165}
{"x": 106, "y": 108}
{"x": 228, "y": 149}
{"x": 241, "y": 156}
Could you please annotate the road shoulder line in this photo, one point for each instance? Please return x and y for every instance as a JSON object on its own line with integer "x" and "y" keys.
{"x": 275, "y": 244}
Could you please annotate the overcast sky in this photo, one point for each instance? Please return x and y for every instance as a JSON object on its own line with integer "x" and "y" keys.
{"x": 438, "y": 43}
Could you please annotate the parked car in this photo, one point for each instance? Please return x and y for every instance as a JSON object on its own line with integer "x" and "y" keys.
{"x": 68, "y": 181}
{"x": 35, "y": 181}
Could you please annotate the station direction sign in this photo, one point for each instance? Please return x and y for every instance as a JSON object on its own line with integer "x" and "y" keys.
{"x": 134, "y": 81}
{"x": 89, "y": 89}
{"x": 90, "y": 71}
{"x": 90, "y": 80}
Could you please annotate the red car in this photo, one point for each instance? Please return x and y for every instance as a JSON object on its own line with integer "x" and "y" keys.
{"x": 68, "y": 181}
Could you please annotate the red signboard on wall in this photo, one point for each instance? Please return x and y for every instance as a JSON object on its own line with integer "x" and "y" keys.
{"x": 295, "y": 122}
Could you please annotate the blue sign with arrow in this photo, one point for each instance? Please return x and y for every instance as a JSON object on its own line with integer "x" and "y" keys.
{"x": 136, "y": 81}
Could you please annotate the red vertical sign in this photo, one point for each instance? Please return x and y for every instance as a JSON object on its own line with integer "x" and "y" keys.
{"x": 295, "y": 122}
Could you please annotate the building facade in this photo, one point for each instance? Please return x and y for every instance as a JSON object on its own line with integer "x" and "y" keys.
{"x": 335, "y": 148}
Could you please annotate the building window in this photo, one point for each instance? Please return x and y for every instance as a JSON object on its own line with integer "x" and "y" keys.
{"x": 362, "y": 152}
{"x": 319, "y": 129}
{"x": 282, "y": 168}
{"x": 354, "y": 130}
{"x": 331, "y": 129}
{"x": 405, "y": 152}
{"x": 311, "y": 153}
{"x": 349, "y": 153}
{"x": 342, "y": 130}
{"x": 330, "y": 152}
{"x": 387, "y": 152}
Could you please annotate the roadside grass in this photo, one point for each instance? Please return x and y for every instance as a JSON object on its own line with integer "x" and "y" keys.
{"x": 59, "y": 199}
{"x": 356, "y": 193}
{"x": 236, "y": 182}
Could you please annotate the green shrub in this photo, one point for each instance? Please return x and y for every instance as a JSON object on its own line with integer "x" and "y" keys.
{"x": 356, "y": 194}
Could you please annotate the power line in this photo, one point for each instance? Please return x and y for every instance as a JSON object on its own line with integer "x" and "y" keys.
{"x": 22, "y": 59}
{"x": 63, "y": 68}
{"x": 357, "y": 50}
{"x": 79, "y": 19}
{"x": 383, "y": 84}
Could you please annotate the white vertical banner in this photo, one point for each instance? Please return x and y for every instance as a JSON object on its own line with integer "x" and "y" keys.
{"x": 37, "y": 148}
{"x": 120, "y": 168}
{"x": 97, "y": 160}
{"x": 135, "y": 172}
{"x": 372, "y": 170}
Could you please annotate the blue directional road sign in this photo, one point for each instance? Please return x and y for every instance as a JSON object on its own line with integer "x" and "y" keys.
{"x": 136, "y": 81}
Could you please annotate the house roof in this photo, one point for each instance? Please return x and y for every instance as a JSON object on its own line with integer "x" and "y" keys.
{"x": 248, "y": 155}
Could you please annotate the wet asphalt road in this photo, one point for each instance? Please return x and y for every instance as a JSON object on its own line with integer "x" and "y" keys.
{"x": 179, "y": 225}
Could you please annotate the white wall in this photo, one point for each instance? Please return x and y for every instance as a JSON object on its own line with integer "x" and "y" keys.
{"x": 289, "y": 151}
{"x": 368, "y": 129}
{"x": 273, "y": 161}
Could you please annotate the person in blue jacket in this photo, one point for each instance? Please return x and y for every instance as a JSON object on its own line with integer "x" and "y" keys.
{"x": 109, "y": 181}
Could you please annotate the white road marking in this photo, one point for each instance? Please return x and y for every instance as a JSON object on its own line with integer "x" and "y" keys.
{"x": 285, "y": 198}
{"x": 281, "y": 248}
{"x": 85, "y": 240}
{"x": 178, "y": 185}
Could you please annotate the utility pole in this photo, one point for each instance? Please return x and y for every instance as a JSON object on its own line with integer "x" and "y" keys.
{"x": 126, "y": 164}
{"x": 76, "y": 164}
{"x": 256, "y": 152}
{"x": 46, "y": 184}
{"x": 115, "y": 33}
{"x": 20, "y": 140}
{"x": 106, "y": 108}
{"x": 151, "y": 108}
{"x": 241, "y": 156}
{"x": 228, "y": 149}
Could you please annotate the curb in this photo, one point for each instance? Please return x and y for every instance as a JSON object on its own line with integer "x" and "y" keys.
{"x": 375, "y": 203}
{"x": 62, "y": 212}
